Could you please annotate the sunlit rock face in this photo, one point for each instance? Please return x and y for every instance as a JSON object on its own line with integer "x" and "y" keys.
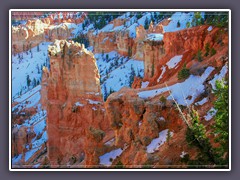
{"x": 27, "y": 37}
{"x": 75, "y": 105}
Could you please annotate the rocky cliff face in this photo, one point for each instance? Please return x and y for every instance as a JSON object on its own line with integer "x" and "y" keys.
{"x": 75, "y": 105}
{"x": 153, "y": 52}
{"x": 103, "y": 42}
{"x": 136, "y": 122}
{"x": 25, "y": 37}
{"x": 186, "y": 43}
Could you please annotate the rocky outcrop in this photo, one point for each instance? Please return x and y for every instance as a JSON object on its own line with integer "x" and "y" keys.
{"x": 27, "y": 37}
{"x": 20, "y": 138}
{"x": 103, "y": 42}
{"x": 186, "y": 42}
{"x": 153, "y": 52}
{"x": 44, "y": 88}
{"x": 124, "y": 43}
{"x": 59, "y": 32}
{"x": 136, "y": 122}
{"x": 75, "y": 107}
{"x": 138, "y": 46}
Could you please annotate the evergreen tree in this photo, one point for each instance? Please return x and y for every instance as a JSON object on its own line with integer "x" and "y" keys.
{"x": 38, "y": 49}
{"x": 183, "y": 73}
{"x": 207, "y": 49}
{"x": 34, "y": 82}
{"x": 221, "y": 126}
{"x": 28, "y": 81}
{"x": 146, "y": 23}
{"x": 178, "y": 24}
{"x": 105, "y": 93}
{"x": 168, "y": 136}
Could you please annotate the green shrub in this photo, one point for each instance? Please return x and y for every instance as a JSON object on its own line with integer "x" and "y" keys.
{"x": 119, "y": 165}
{"x": 207, "y": 49}
{"x": 213, "y": 51}
{"x": 163, "y": 100}
{"x": 218, "y": 19}
{"x": 184, "y": 73}
{"x": 199, "y": 55}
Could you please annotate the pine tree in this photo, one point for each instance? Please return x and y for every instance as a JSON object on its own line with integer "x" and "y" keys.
{"x": 28, "y": 81}
{"x": 146, "y": 23}
{"x": 178, "y": 24}
{"x": 221, "y": 126}
{"x": 168, "y": 136}
{"x": 105, "y": 93}
{"x": 34, "y": 82}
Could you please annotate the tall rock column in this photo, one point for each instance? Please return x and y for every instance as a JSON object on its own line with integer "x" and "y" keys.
{"x": 153, "y": 52}
{"x": 75, "y": 105}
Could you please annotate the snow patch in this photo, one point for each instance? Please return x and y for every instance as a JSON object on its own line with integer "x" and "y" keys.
{"x": 193, "y": 86}
{"x": 174, "y": 61}
{"x": 155, "y": 37}
{"x": 161, "y": 119}
{"x": 183, "y": 154}
{"x": 209, "y": 28}
{"x": 110, "y": 142}
{"x": 16, "y": 159}
{"x": 212, "y": 112}
{"x": 157, "y": 142}
{"x": 30, "y": 153}
{"x": 144, "y": 84}
{"x": 219, "y": 76}
{"x": 180, "y": 17}
{"x": 105, "y": 159}
{"x": 79, "y": 104}
{"x": 93, "y": 102}
{"x": 203, "y": 101}
{"x": 161, "y": 75}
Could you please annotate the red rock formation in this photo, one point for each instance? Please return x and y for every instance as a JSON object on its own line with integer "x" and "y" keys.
{"x": 185, "y": 42}
{"x": 138, "y": 45}
{"x": 153, "y": 52}
{"x": 102, "y": 42}
{"x": 118, "y": 22}
{"x": 57, "y": 32}
{"x": 124, "y": 43}
{"x": 20, "y": 138}
{"x": 24, "y": 38}
{"x": 44, "y": 88}
{"x": 36, "y": 31}
{"x": 136, "y": 122}
{"x": 75, "y": 105}
{"x": 137, "y": 83}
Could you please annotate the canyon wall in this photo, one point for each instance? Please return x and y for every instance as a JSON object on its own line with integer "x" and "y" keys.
{"x": 185, "y": 42}
{"x": 153, "y": 52}
{"x": 35, "y": 31}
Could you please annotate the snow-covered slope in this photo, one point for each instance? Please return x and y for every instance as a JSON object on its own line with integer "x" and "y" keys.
{"x": 115, "y": 70}
{"x": 191, "y": 87}
{"x": 28, "y": 64}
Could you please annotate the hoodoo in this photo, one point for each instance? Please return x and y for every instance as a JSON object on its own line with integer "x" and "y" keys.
{"x": 74, "y": 103}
